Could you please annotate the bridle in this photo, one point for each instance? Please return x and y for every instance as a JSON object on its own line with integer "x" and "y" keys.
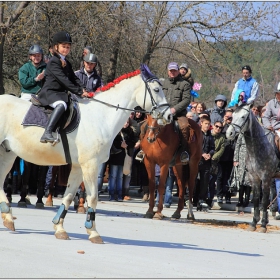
{"x": 155, "y": 106}
{"x": 242, "y": 126}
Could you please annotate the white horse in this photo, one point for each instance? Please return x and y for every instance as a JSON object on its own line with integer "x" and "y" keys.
{"x": 89, "y": 144}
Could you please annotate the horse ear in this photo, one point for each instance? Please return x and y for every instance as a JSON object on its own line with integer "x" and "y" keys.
{"x": 251, "y": 105}
{"x": 146, "y": 73}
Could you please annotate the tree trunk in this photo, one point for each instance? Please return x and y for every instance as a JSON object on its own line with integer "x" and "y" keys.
{"x": 116, "y": 47}
{"x": 2, "y": 41}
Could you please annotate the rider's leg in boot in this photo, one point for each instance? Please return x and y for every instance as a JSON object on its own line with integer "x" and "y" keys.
{"x": 54, "y": 118}
{"x": 114, "y": 150}
{"x": 240, "y": 196}
{"x": 247, "y": 196}
{"x": 140, "y": 155}
{"x": 184, "y": 127}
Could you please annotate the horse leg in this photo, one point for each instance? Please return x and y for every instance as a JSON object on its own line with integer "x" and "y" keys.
{"x": 192, "y": 173}
{"x": 161, "y": 189}
{"x": 151, "y": 174}
{"x": 40, "y": 189}
{"x": 7, "y": 159}
{"x": 256, "y": 199}
{"x": 81, "y": 209}
{"x": 178, "y": 170}
{"x": 74, "y": 181}
{"x": 265, "y": 203}
{"x": 90, "y": 178}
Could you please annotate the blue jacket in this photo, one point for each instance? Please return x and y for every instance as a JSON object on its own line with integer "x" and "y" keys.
{"x": 249, "y": 86}
{"x": 91, "y": 82}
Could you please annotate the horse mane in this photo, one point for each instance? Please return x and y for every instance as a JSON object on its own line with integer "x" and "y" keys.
{"x": 118, "y": 80}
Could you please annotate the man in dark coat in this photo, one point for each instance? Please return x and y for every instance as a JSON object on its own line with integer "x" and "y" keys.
{"x": 177, "y": 93}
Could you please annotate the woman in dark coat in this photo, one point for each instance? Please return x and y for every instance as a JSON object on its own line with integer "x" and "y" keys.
{"x": 125, "y": 139}
{"x": 60, "y": 78}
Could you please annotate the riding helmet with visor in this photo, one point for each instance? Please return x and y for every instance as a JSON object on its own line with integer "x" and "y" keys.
{"x": 91, "y": 58}
{"x": 35, "y": 49}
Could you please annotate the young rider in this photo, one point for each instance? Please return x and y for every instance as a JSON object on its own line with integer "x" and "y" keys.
{"x": 60, "y": 78}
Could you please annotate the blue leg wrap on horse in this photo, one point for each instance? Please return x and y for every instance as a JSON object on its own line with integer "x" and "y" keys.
{"x": 4, "y": 207}
{"x": 90, "y": 218}
{"x": 61, "y": 213}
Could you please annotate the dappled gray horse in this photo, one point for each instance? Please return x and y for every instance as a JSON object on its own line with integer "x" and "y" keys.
{"x": 261, "y": 158}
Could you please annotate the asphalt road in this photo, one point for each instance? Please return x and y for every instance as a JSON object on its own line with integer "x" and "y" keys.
{"x": 216, "y": 245}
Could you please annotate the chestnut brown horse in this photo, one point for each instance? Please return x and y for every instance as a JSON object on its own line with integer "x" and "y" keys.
{"x": 160, "y": 144}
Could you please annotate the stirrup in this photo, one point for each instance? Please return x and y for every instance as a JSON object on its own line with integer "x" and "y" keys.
{"x": 184, "y": 157}
{"x": 140, "y": 156}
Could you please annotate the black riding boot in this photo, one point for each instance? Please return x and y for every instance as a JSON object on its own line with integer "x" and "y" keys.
{"x": 247, "y": 196}
{"x": 240, "y": 196}
{"x": 54, "y": 118}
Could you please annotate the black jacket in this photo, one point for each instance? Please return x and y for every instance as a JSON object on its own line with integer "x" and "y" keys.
{"x": 208, "y": 146}
{"x": 58, "y": 81}
{"x": 128, "y": 134}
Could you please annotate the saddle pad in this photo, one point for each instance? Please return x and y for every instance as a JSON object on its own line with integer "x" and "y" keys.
{"x": 36, "y": 116}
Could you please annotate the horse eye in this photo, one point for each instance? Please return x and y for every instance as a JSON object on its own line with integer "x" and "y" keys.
{"x": 156, "y": 89}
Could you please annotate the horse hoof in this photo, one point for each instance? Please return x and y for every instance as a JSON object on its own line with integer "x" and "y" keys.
{"x": 81, "y": 210}
{"x": 49, "y": 203}
{"x": 62, "y": 235}
{"x": 9, "y": 225}
{"x": 149, "y": 215}
{"x": 251, "y": 228}
{"x": 262, "y": 230}
{"x": 96, "y": 240}
{"x": 27, "y": 201}
{"x": 190, "y": 217}
{"x": 22, "y": 204}
{"x": 176, "y": 215}
{"x": 158, "y": 216}
{"x": 39, "y": 205}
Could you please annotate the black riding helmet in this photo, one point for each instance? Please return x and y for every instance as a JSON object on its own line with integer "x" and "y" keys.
{"x": 91, "y": 58}
{"x": 35, "y": 49}
{"x": 61, "y": 37}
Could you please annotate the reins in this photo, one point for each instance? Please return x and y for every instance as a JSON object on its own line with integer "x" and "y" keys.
{"x": 154, "y": 104}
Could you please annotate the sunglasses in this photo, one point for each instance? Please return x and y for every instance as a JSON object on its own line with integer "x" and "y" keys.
{"x": 229, "y": 118}
{"x": 220, "y": 127}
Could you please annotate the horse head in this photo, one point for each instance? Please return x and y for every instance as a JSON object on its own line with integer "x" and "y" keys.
{"x": 240, "y": 122}
{"x": 157, "y": 99}
{"x": 153, "y": 128}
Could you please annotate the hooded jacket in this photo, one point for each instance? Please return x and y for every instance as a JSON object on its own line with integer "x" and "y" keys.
{"x": 217, "y": 113}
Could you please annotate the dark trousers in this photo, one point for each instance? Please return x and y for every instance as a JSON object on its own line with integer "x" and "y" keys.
{"x": 201, "y": 188}
{"x": 213, "y": 179}
{"x": 222, "y": 179}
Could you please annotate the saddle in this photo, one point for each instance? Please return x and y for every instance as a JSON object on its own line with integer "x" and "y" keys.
{"x": 38, "y": 115}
